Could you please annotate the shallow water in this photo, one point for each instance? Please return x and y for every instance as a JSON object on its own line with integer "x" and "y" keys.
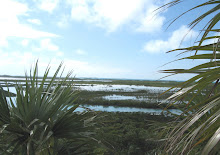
{"x": 101, "y": 87}
{"x": 124, "y": 88}
{"x": 126, "y": 109}
{"x": 121, "y": 97}
{"x": 133, "y": 98}
{"x": 118, "y": 97}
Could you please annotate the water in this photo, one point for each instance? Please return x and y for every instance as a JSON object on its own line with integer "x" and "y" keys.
{"x": 121, "y": 97}
{"x": 126, "y": 109}
{"x": 101, "y": 87}
{"x": 118, "y": 97}
{"x": 124, "y": 88}
{"x": 11, "y": 89}
{"x": 135, "y": 98}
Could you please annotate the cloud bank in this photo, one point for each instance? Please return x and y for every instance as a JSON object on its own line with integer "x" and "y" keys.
{"x": 113, "y": 14}
{"x": 176, "y": 39}
{"x": 10, "y": 11}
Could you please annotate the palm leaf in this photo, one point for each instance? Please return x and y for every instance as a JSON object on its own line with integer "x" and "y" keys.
{"x": 198, "y": 126}
{"x": 43, "y": 114}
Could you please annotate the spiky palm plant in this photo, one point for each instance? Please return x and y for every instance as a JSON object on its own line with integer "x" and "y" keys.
{"x": 198, "y": 130}
{"x": 42, "y": 118}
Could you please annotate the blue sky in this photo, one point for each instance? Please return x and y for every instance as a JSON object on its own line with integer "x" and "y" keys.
{"x": 94, "y": 38}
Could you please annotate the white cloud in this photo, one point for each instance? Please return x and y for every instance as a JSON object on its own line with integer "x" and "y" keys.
{"x": 112, "y": 14}
{"x": 16, "y": 63}
{"x": 80, "y": 52}
{"x": 34, "y": 21}
{"x": 47, "y": 5}
{"x": 11, "y": 26}
{"x": 63, "y": 22}
{"x": 10, "y": 9}
{"x": 59, "y": 54}
{"x": 150, "y": 21}
{"x": 80, "y": 10}
{"x": 25, "y": 42}
{"x": 46, "y": 44}
{"x": 175, "y": 40}
{"x": 22, "y": 31}
{"x": 213, "y": 40}
{"x": 82, "y": 68}
{"x": 3, "y": 41}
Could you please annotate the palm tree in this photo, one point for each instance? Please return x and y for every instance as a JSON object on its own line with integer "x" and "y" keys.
{"x": 198, "y": 128}
{"x": 42, "y": 118}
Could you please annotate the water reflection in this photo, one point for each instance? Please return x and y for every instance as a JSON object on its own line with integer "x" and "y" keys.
{"x": 124, "y": 88}
{"x": 117, "y": 109}
{"x": 121, "y": 97}
{"x": 127, "y": 109}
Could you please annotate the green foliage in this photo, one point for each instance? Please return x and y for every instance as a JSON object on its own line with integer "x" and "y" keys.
{"x": 152, "y": 99}
{"x": 200, "y": 126}
{"x": 132, "y": 133}
{"x": 42, "y": 118}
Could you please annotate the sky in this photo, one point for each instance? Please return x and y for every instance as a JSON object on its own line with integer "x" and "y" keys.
{"x": 94, "y": 38}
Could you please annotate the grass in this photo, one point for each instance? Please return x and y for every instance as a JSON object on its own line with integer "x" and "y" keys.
{"x": 151, "y": 98}
{"x": 131, "y": 133}
{"x": 96, "y": 98}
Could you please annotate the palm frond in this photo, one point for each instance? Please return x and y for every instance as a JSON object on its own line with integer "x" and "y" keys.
{"x": 198, "y": 126}
{"x": 43, "y": 115}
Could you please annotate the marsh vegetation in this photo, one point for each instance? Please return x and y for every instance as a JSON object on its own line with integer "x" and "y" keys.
{"x": 105, "y": 132}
